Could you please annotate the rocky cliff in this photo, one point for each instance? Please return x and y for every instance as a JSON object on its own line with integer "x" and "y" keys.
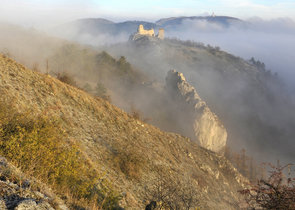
{"x": 200, "y": 122}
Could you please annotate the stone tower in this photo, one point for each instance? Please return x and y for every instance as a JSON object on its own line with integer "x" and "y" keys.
{"x": 161, "y": 33}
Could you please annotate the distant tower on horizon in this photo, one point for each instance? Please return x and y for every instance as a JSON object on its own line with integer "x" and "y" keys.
{"x": 213, "y": 14}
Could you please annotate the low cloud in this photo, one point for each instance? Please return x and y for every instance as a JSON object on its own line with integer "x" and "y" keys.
{"x": 271, "y": 42}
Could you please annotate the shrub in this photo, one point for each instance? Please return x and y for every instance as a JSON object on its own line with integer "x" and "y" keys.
{"x": 101, "y": 91}
{"x": 66, "y": 78}
{"x": 87, "y": 88}
{"x": 36, "y": 67}
{"x": 172, "y": 193}
{"x": 275, "y": 192}
{"x": 135, "y": 113}
{"x": 129, "y": 161}
{"x": 138, "y": 115}
{"x": 37, "y": 144}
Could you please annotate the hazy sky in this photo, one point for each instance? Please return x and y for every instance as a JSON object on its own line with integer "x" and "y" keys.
{"x": 38, "y": 12}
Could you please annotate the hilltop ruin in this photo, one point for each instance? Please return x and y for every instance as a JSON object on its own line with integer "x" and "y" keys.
{"x": 151, "y": 33}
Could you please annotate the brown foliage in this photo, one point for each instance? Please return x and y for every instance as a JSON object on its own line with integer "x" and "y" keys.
{"x": 130, "y": 162}
{"x": 66, "y": 78}
{"x": 245, "y": 164}
{"x": 172, "y": 193}
{"x": 275, "y": 192}
{"x": 138, "y": 115}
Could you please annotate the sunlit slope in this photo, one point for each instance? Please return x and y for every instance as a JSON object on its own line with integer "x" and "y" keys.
{"x": 129, "y": 152}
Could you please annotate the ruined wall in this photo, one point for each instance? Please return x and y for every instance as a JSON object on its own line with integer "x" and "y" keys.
{"x": 142, "y": 31}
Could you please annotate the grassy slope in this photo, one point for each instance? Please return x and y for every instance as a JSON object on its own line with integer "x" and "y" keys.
{"x": 106, "y": 133}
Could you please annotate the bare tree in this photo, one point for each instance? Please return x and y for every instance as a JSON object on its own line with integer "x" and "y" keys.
{"x": 170, "y": 193}
{"x": 275, "y": 192}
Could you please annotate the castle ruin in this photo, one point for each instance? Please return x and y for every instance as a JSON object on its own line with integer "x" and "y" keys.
{"x": 142, "y": 31}
{"x": 161, "y": 34}
{"x": 151, "y": 32}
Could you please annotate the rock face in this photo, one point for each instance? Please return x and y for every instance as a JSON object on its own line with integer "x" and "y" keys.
{"x": 195, "y": 117}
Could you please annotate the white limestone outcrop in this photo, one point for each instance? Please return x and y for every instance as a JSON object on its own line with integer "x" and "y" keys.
{"x": 202, "y": 124}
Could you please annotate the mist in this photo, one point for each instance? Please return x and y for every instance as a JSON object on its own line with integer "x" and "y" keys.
{"x": 91, "y": 34}
{"x": 236, "y": 102}
{"x": 231, "y": 96}
{"x": 271, "y": 42}
{"x": 253, "y": 104}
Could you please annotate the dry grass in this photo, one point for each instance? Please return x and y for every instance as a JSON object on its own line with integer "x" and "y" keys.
{"x": 104, "y": 133}
{"x": 37, "y": 144}
{"x": 130, "y": 162}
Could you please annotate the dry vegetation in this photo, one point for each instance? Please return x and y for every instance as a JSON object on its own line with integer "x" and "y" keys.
{"x": 129, "y": 161}
{"x": 37, "y": 144}
{"x": 105, "y": 139}
{"x": 171, "y": 193}
{"x": 275, "y": 192}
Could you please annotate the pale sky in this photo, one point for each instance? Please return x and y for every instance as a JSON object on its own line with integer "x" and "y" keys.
{"x": 39, "y": 12}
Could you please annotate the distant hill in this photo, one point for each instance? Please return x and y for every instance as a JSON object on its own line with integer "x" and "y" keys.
{"x": 174, "y": 22}
{"x": 132, "y": 155}
{"x": 79, "y": 30}
{"x": 98, "y": 26}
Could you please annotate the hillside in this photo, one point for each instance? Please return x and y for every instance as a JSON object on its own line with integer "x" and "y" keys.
{"x": 251, "y": 101}
{"x": 130, "y": 153}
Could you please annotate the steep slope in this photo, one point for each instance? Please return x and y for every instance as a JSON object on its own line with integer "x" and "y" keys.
{"x": 132, "y": 154}
{"x": 252, "y": 102}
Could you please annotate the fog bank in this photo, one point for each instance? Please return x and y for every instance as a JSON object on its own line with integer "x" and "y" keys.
{"x": 271, "y": 42}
